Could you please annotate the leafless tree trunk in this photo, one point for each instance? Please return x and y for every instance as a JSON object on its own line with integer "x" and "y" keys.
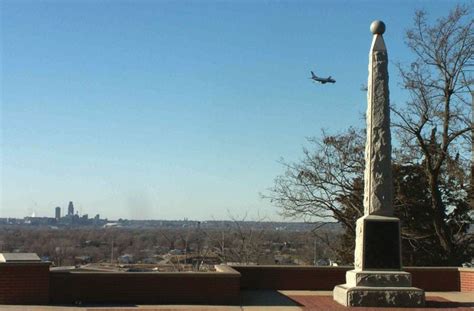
{"x": 435, "y": 122}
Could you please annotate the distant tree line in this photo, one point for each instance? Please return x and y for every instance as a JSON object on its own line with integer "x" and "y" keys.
{"x": 240, "y": 242}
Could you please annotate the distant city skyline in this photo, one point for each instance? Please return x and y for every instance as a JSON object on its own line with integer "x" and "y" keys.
{"x": 173, "y": 110}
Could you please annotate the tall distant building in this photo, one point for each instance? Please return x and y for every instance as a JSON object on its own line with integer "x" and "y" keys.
{"x": 57, "y": 213}
{"x": 70, "y": 209}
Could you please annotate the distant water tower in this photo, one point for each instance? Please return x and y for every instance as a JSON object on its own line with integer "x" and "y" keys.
{"x": 57, "y": 213}
{"x": 70, "y": 209}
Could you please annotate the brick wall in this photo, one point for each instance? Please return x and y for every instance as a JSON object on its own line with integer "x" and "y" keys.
{"x": 435, "y": 279}
{"x": 145, "y": 288}
{"x": 467, "y": 279}
{"x": 35, "y": 284}
{"x": 291, "y": 277}
{"x": 325, "y": 278}
{"x": 25, "y": 283}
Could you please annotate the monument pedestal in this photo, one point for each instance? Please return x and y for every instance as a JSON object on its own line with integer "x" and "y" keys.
{"x": 378, "y": 289}
{"x": 377, "y": 280}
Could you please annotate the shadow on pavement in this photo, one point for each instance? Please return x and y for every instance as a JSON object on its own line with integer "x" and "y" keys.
{"x": 265, "y": 298}
{"x": 440, "y": 303}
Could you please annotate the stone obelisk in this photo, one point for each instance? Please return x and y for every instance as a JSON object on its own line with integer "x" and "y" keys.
{"x": 377, "y": 279}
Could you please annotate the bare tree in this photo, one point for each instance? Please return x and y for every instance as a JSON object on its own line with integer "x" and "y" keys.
{"x": 248, "y": 239}
{"x": 220, "y": 240}
{"x": 433, "y": 126}
{"x": 315, "y": 187}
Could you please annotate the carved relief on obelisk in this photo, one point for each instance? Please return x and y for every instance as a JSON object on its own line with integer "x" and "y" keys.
{"x": 378, "y": 232}
{"x": 378, "y": 149}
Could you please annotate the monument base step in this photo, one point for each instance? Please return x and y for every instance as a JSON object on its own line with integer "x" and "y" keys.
{"x": 378, "y": 278}
{"x": 365, "y": 296}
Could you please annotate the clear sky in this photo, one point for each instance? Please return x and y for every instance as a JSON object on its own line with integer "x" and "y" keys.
{"x": 173, "y": 109}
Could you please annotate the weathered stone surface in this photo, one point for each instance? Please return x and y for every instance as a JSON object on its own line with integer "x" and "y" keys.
{"x": 362, "y": 296}
{"x": 378, "y": 278}
{"x": 19, "y": 257}
{"x": 378, "y": 149}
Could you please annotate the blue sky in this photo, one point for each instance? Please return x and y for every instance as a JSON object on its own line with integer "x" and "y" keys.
{"x": 173, "y": 109}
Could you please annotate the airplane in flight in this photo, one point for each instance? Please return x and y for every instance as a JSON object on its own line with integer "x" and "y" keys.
{"x": 322, "y": 80}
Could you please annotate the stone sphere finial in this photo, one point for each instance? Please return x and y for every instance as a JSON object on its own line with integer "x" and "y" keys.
{"x": 377, "y": 27}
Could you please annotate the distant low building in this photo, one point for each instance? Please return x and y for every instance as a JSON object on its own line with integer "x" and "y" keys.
{"x": 112, "y": 225}
{"x": 45, "y": 258}
{"x": 126, "y": 259}
{"x": 82, "y": 260}
{"x": 150, "y": 260}
{"x": 40, "y": 221}
{"x": 176, "y": 251}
